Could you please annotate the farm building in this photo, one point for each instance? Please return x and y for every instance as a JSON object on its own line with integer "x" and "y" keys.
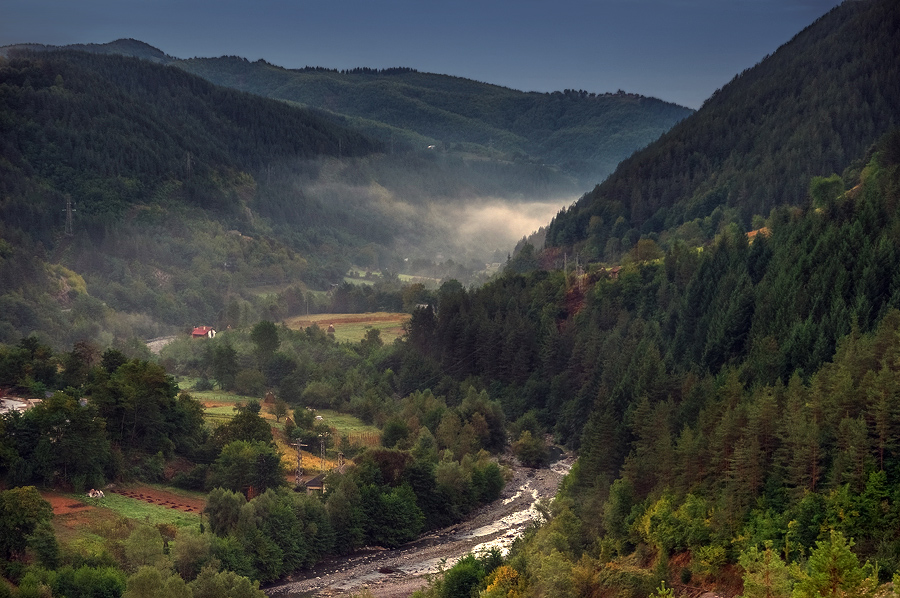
{"x": 317, "y": 484}
{"x": 203, "y": 332}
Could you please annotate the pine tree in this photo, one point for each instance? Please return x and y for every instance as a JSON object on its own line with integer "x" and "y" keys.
{"x": 765, "y": 574}
{"x": 833, "y": 571}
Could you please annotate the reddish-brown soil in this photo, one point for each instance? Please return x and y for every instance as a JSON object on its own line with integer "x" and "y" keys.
{"x": 161, "y": 497}
{"x": 63, "y": 505}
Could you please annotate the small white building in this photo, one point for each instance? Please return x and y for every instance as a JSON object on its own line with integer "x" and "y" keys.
{"x": 8, "y": 404}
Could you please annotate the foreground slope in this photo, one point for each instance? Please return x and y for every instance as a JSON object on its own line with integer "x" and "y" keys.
{"x": 809, "y": 109}
{"x": 723, "y": 403}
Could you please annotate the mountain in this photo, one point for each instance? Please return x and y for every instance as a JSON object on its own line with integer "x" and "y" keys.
{"x": 131, "y": 186}
{"x": 732, "y": 395}
{"x": 160, "y": 167}
{"x": 119, "y": 47}
{"x": 808, "y": 110}
{"x": 584, "y": 135}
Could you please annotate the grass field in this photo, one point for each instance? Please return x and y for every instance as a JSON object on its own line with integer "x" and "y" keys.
{"x": 353, "y": 327}
{"x": 429, "y": 283}
{"x": 359, "y": 433}
{"x": 345, "y": 423}
{"x": 219, "y": 409}
{"x": 137, "y": 510}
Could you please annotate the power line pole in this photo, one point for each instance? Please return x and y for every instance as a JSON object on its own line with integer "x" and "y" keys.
{"x": 299, "y": 461}
{"x": 322, "y": 438}
{"x": 70, "y": 229}
{"x": 579, "y": 273}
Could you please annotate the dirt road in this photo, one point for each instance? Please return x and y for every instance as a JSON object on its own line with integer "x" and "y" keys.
{"x": 398, "y": 573}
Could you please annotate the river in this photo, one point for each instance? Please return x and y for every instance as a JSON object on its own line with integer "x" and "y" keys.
{"x": 398, "y": 573}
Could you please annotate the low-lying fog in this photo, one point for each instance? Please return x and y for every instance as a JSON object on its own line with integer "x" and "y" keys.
{"x": 439, "y": 210}
{"x": 498, "y": 223}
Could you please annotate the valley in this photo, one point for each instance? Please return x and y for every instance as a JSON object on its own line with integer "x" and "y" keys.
{"x": 472, "y": 316}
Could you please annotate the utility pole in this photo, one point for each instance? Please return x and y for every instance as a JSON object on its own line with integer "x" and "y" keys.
{"x": 322, "y": 438}
{"x": 70, "y": 229}
{"x": 299, "y": 461}
{"x": 579, "y": 273}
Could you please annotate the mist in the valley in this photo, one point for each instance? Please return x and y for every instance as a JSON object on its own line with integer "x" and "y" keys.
{"x": 428, "y": 210}
{"x": 496, "y": 224}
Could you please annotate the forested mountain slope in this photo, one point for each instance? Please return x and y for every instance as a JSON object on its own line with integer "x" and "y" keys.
{"x": 736, "y": 396}
{"x": 807, "y": 110}
{"x": 160, "y": 166}
{"x": 584, "y": 134}
{"x": 186, "y": 194}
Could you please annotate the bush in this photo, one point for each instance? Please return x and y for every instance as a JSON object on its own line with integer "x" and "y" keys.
{"x": 153, "y": 468}
{"x": 203, "y": 384}
{"x": 627, "y": 582}
{"x": 530, "y": 450}
{"x": 195, "y": 479}
{"x": 250, "y": 383}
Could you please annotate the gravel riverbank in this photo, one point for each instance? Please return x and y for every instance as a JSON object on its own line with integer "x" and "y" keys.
{"x": 398, "y": 573}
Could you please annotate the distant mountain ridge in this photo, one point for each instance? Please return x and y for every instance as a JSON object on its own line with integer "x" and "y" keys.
{"x": 583, "y": 135}
{"x": 808, "y": 110}
{"x": 122, "y": 47}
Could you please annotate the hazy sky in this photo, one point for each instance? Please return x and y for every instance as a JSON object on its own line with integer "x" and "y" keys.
{"x": 677, "y": 50}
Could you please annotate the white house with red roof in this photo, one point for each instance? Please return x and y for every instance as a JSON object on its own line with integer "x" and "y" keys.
{"x": 203, "y": 331}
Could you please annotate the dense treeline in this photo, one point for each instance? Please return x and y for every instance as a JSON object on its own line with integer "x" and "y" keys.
{"x": 808, "y": 110}
{"x": 723, "y": 400}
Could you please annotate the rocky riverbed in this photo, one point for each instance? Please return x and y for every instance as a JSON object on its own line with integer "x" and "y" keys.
{"x": 398, "y": 573}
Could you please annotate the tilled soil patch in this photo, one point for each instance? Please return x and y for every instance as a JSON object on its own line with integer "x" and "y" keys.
{"x": 163, "y": 498}
{"x": 64, "y": 505}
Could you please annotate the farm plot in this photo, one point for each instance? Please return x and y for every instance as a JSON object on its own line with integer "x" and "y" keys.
{"x": 353, "y": 327}
{"x": 163, "y": 498}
